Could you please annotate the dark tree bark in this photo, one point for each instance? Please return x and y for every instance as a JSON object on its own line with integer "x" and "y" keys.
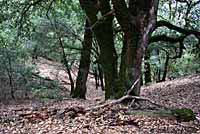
{"x": 137, "y": 22}
{"x": 10, "y": 75}
{"x": 98, "y": 74}
{"x": 96, "y": 77}
{"x": 147, "y": 68}
{"x": 157, "y": 77}
{"x": 80, "y": 90}
{"x": 165, "y": 67}
{"x": 12, "y": 91}
{"x": 103, "y": 31}
{"x": 108, "y": 56}
{"x": 123, "y": 66}
{"x": 101, "y": 77}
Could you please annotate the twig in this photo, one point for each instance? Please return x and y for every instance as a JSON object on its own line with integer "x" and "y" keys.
{"x": 101, "y": 19}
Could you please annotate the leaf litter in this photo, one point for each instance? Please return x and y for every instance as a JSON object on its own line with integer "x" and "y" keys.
{"x": 70, "y": 116}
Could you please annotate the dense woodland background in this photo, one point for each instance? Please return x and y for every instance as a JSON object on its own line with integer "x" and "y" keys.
{"x": 97, "y": 49}
{"x": 116, "y": 42}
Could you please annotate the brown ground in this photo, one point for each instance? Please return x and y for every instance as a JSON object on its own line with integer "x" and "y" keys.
{"x": 69, "y": 116}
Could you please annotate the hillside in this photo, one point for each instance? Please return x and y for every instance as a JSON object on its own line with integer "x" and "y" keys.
{"x": 70, "y": 116}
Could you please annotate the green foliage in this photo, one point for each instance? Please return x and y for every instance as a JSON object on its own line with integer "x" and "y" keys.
{"x": 184, "y": 114}
{"x": 188, "y": 64}
{"x": 14, "y": 72}
{"x": 45, "y": 93}
{"x": 24, "y": 35}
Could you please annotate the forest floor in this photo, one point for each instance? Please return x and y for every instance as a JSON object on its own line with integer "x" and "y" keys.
{"x": 70, "y": 116}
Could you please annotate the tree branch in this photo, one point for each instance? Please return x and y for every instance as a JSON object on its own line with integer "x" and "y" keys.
{"x": 166, "y": 38}
{"x": 27, "y": 8}
{"x": 176, "y": 28}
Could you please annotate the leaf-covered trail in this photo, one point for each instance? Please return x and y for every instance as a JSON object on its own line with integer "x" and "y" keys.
{"x": 68, "y": 116}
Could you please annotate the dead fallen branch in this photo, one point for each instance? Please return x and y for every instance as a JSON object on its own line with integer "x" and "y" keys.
{"x": 129, "y": 97}
{"x": 121, "y": 100}
{"x": 132, "y": 87}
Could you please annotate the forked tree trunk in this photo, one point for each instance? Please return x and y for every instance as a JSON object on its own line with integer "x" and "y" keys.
{"x": 137, "y": 22}
{"x": 80, "y": 90}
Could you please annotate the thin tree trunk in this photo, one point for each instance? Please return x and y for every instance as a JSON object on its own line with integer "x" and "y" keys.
{"x": 101, "y": 77}
{"x": 158, "y": 69}
{"x": 11, "y": 85}
{"x": 96, "y": 77}
{"x": 84, "y": 66}
{"x": 165, "y": 67}
{"x": 66, "y": 65}
{"x": 10, "y": 75}
{"x": 147, "y": 68}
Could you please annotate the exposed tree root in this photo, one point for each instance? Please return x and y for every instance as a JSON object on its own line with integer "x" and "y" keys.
{"x": 127, "y": 98}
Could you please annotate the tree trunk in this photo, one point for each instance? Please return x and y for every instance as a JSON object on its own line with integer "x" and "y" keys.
{"x": 103, "y": 31}
{"x": 96, "y": 77}
{"x": 101, "y": 77}
{"x": 65, "y": 62}
{"x": 147, "y": 68}
{"x": 10, "y": 75}
{"x": 123, "y": 67}
{"x": 158, "y": 68}
{"x": 108, "y": 57}
{"x": 165, "y": 67}
{"x": 80, "y": 90}
{"x": 137, "y": 22}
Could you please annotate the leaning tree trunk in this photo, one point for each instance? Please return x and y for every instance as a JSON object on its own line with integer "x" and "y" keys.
{"x": 137, "y": 22}
{"x": 65, "y": 62}
{"x": 80, "y": 90}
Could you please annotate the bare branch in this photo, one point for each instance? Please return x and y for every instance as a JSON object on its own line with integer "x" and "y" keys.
{"x": 178, "y": 29}
{"x": 27, "y": 8}
{"x": 166, "y": 38}
{"x": 132, "y": 87}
